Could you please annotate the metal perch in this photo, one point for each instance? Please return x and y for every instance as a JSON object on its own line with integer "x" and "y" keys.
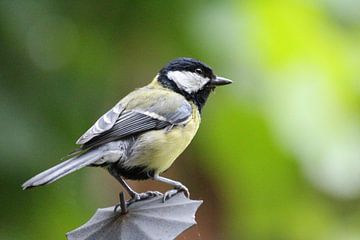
{"x": 146, "y": 220}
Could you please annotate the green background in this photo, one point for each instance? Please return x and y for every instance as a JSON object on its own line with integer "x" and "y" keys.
{"x": 277, "y": 156}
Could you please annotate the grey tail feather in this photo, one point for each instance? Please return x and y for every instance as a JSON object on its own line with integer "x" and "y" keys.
{"x": 63, "y": 169}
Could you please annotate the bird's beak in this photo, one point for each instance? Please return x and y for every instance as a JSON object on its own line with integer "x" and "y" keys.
{"x": 219, "y": 81}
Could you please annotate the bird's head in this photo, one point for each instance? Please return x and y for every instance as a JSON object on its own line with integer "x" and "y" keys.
{"x": 191, "y": 78}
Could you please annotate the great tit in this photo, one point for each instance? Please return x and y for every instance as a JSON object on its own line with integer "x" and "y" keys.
{"x": 141, "y": 136}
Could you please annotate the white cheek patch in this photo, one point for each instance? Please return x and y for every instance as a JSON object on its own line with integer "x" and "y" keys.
{"x": 188, "y": 81}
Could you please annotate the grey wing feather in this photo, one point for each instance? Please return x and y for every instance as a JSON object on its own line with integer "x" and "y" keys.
{"x": 137, "y": 121}
{"x": 129, "y": 123}
{"x": 181, "y": 115}
{"x": 104, "y": 123}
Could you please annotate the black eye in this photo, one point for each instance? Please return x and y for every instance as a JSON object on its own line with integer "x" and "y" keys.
{"x": 199, "y": 71}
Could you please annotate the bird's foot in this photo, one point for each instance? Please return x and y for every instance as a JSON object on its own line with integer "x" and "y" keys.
{"x": 139, "y": 197}
{"x": 181, "y": 188}
{"x": 143, "y": 196}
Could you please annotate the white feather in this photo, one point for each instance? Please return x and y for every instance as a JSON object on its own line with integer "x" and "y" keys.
{"x": 188, "y": 81}
{"x": 107, "y": 119}
{"x": 151, "y": 114}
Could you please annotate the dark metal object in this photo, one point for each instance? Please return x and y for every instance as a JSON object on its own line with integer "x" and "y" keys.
{"x": 146, "y": 220}
{"x": 123, "y": 206}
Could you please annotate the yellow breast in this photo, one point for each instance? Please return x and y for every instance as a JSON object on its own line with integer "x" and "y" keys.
{"x": 158, "y": 149}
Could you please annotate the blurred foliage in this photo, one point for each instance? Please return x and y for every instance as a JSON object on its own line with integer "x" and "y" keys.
{"x": 278, "y": 152}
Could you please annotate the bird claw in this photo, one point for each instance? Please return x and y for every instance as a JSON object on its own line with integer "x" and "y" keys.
{"x": 143, "y": 196}
{"x": 139, "y": 197}
{"x": 149, "y": 194}
{"x": 169, "y": 194}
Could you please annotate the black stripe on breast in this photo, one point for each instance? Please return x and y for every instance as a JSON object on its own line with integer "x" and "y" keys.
{"x": 133, "y": 173}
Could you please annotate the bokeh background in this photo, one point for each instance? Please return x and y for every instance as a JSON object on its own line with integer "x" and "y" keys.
{"x": 278, "y": 152}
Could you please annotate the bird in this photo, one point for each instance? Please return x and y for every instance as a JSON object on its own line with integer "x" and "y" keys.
{"x": 142, "y": 135}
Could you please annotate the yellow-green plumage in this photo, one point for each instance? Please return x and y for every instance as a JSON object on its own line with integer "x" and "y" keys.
{"x": 157, "y": 149}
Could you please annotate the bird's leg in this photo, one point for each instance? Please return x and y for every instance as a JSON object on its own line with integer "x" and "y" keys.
{"x": 118, "y": 177}
{"x": 131, "y": 192}
{"x": 134, "y": 196}
{"x": 178, "y": 187}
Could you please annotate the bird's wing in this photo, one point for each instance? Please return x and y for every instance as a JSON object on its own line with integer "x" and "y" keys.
{"x": 150, "y": 110}
{"x": 104, "y": 123}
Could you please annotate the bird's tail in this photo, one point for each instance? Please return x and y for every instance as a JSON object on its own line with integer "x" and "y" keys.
{"x": 62, "y": 169}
